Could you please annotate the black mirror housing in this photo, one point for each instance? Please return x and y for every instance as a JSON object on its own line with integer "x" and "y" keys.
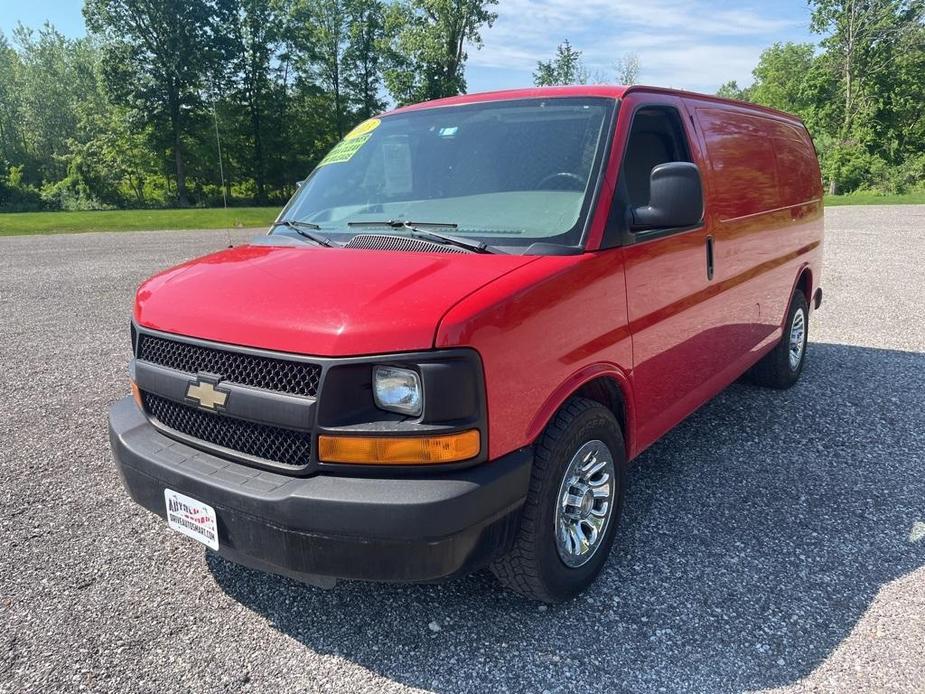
{"x": 675, "y": 198}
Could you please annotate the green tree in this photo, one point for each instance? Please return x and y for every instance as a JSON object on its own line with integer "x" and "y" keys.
{"x": 57, "y": 96}
{"x": 426, "y": 45}
{"x": 732, "y": 90}
{"x": 257, "y": 35}
{"x": 338, "y": 47}
{"x": 118, "y": 164}
{"x": 363, "y": 56}
{"x": 92, "y": 176}
{"x": 862, "y": 40}
{"x": 48, "y": 95}
{"x": 159, "y": 59}
{"x": 321, "y": 40}
{"x": 564, "y": 68}
{"x": 11, "y": 136}
{"x": 858, "y": 35}
{"x": 781, "y": 78}
{"x": 898, "y": 127}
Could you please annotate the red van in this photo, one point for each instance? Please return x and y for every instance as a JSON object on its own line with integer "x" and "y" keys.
{"x": 469, "y": 318}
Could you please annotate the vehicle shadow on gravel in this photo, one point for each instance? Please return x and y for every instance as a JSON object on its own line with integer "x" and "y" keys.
{"x": 755, "y": 536}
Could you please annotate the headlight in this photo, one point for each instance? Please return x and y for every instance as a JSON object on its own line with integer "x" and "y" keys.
{"x": 398, "y": 390}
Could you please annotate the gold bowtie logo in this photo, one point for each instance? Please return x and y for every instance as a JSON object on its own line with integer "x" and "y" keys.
{"x": 206, "y": 395}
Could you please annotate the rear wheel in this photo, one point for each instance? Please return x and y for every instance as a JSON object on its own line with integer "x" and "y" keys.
{"x": 782, "y": 366}
{"x": 570, "y": 516}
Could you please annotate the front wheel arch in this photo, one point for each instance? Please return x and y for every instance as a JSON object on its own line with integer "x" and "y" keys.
{"x": 603, "y": 383}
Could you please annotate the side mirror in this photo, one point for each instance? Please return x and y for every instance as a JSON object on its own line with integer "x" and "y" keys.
{"x": 299, "y": 184}
{"x": 675, "y": 198}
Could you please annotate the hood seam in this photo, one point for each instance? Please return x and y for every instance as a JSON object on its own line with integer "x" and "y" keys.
{"x": 433, "y": 342}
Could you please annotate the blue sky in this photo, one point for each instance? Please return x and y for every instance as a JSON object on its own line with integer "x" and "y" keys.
{"x": 692, "y": 44}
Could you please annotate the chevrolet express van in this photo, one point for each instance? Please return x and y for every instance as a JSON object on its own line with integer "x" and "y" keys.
{"x": 466, "y": 322}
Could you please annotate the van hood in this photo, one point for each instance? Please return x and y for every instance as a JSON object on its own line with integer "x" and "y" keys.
{"x": 316, "y": 301}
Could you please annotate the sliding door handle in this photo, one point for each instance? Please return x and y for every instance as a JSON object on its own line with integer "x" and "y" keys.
{"x": 709, "y": 257}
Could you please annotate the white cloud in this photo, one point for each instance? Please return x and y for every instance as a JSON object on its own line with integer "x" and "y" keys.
{"x": 699, "y": 67}
{"x": 684, "y": 43}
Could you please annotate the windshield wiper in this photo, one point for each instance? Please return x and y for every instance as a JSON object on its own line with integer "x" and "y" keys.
{"x": 300, "y": 227}
{"x": 422, "y": 230}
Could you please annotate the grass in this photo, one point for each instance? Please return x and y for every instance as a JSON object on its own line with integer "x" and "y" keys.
{"x": 19, "y": 223}
{"x": 875, "y": 199}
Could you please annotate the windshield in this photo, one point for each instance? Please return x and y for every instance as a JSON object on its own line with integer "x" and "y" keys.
{"x": 509, "y": 174}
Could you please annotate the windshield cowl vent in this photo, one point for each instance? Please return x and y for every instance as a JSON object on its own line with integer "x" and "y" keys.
{"x": 393, "y": 242}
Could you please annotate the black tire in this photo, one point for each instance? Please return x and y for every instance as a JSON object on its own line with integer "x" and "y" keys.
{"x": 534, "y": 567}
{"x": 775, "y": 369}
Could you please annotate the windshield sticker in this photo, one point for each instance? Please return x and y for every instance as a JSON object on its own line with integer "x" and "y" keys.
{"x": 363, "y": 128}
{"x": 350, "y": 145}
{"x": 344, "y": 150}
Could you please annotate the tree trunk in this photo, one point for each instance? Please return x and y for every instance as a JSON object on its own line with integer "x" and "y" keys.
{"x": 180, "y": 165}
{"x": 182, "y": 196}
{"x": 138, "y": 187}
{"x": 849, "y": 70}
{"x": 259, "y": 181}
{"x": 367, "y": 89}
{"x": 338, "y": 116}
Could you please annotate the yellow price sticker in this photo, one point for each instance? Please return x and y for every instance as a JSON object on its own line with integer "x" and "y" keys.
{"x": 344, "y": 150}
{"x": 350, "y": 145}
{"x": 363, "y": 128}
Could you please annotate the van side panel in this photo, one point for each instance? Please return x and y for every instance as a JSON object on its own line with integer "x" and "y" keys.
{"x": 766, "y": 208}
{"x": 742, "y": 166}
{"x": 797, "y": 168}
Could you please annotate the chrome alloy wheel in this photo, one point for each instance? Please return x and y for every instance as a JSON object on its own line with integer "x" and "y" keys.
{"x": 585, "y": 503}
{"x": 797, "y": 339}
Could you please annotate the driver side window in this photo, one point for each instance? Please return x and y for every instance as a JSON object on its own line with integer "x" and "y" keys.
{"x": 656, "y": 137}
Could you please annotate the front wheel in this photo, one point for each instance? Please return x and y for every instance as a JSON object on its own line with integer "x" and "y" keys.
{"x": 781, "y": 367}
{"x": 570, "y": 516}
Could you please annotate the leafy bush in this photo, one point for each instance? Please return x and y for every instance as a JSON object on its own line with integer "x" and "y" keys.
{"x": 70, "y": 195}
{"x": 909, "y": 177}
{"x": 853, "y": 168}
{"x": 16, "y": 195}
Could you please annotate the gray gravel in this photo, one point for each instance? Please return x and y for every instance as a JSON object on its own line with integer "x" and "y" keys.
{"x": 774, "y": 540}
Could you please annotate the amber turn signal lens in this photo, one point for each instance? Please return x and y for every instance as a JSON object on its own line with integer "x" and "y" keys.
{"x": 136, "y": 394}
{"x": 399, "y": 450}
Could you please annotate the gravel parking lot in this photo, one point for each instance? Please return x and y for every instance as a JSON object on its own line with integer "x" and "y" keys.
{"x": 774, "y": 541}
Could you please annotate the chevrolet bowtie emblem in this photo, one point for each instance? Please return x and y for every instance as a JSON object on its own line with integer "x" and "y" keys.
{"x": 206, "y": 394}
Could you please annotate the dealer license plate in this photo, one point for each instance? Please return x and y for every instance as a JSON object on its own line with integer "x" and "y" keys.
{"x": 192, "y": 518}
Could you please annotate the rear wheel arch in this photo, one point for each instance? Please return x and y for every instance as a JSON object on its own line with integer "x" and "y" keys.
{"x": 781, "y": 367}
{"x": 805, "y": 284}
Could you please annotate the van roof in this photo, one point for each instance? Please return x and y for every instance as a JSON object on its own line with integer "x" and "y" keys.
{"x": 599, "y": 90}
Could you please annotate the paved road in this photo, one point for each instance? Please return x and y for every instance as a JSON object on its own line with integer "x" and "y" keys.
{"x": 774, "y": 540}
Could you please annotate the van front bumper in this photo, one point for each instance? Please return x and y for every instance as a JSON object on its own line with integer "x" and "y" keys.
{"x": 318, "y": 529}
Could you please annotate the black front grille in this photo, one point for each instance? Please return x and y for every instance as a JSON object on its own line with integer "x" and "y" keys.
{"x": 281, "y": 375}
{"x": 284, "y": 446}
